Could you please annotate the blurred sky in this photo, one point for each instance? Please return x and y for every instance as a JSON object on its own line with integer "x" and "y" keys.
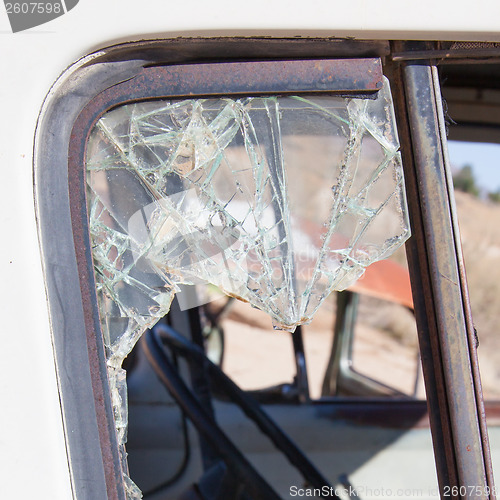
{"x": 484, "y": 159}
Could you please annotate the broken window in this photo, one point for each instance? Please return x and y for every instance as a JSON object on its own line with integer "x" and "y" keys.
{"x": 277, "y": 201}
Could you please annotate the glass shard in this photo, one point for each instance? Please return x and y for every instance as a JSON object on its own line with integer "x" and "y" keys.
{"x": 277, "y": 201}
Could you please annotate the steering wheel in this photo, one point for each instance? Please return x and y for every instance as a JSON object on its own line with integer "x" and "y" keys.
{"x": 162, "y": 336}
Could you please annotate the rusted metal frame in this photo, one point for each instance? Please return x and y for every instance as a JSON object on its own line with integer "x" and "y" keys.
{"x": 433, "y": 252}
{"x": 463, "y": 385}
{"x": 95, "y": 342}
{"x": 423, "y": 302}
{"x": 451, "y": 55}
{"x": 362, "y": 76}
{"x": 338, "y": 76}
{"x": 88, "y": 423}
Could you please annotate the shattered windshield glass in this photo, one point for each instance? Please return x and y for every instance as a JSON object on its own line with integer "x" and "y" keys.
{"x": 277, "y": 201}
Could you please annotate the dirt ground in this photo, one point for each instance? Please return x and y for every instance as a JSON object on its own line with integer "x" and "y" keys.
{"x": 256, "y": 356}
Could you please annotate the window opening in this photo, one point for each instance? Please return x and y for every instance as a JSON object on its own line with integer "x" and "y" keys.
{"x": 276, "y": 200}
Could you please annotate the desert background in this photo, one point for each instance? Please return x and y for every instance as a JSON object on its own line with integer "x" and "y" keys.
{"x": 385, "y": 346}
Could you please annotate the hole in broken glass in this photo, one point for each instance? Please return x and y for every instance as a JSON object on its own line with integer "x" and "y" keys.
{"x": 277, "y": 201}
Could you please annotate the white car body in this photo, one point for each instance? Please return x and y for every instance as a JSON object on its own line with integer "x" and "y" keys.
{"x": 33, "y": 461}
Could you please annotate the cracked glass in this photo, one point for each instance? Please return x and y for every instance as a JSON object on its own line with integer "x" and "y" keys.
{"x": 277, "y": 201}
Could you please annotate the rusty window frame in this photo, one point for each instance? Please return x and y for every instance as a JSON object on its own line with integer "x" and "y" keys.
{"x": 439, "y": 286}
{"x": 461, "y": 447}
{"x": 346, "y": 77}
